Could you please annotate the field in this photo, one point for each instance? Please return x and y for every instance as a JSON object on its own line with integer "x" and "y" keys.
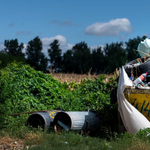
{"x": 66, "y": 77}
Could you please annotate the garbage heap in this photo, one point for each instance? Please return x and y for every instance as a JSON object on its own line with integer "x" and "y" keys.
{"x": 138, "y": 70}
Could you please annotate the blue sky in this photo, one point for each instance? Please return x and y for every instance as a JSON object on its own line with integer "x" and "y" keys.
{"x": 95, "y": 22}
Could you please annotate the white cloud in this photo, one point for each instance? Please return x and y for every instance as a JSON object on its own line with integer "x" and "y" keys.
{"x": 96, "y": 46}
{"x": 23, "y": 33}
{"x": 111, "y": 28}
{"x": 1, "y": 46}
{"x": 62, "y": 23}
{"x": 62, "y": 40}
{"x": 64, "y": 45}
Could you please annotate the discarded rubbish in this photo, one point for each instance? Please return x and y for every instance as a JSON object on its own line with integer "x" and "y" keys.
{"x": 133, "y": 65}
{"x": 42, "y": 119}
{"x": 78, "y": 120}
{"x": 132, "y": 112}
{"x": 140, "y": 78}
{"x": 144, "y": 47}
{"x": 137, "y": 66}
{"x": 63, "y": 125}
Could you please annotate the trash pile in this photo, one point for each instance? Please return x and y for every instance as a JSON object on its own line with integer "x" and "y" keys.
{"x": 138, "y": 70}
{"x": 139, "y": 78}
{"x": 132, "y": 97}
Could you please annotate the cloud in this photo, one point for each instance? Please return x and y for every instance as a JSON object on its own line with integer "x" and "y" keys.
{"x": 64, "y": 23}
{"x": 23, "y": 33}
{"x": 64, "y": 45}
{"x": 1, "y": 46}
{"x": 111, "y": 28}
{"x": 96, "y": 46}
{"x": 11, "y": 25}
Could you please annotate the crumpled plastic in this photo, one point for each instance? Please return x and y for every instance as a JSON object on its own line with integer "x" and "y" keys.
{"x": 144, "y": 47}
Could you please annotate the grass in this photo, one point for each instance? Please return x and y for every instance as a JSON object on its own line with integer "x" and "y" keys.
{"x": 25, "y": 138}
{"x": 69, "y": 77}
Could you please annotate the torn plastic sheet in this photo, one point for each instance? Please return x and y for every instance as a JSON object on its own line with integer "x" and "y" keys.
{"x": 132, "y": 119}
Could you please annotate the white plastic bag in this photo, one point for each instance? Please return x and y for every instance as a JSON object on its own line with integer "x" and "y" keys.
{"x": 144, "y": 47}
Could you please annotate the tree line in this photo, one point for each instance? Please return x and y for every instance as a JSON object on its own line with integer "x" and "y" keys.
{"x": 79, "y": 59}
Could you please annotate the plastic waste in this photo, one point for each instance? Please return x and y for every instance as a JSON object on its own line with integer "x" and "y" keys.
{"x": 144, "y": 47}
{"x": 137, "y": 64}
{"x": 142, "y": 83}
{"x": 140, "y": 78}
{"x": 63, "y": 125}
{"x": 142, "y": 87}
{"x": 129, "y": 66}
{"x": 133, "y": 65}
{"x": 131, "y": 78}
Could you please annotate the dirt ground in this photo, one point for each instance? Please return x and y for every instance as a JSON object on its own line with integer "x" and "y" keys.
{"x": 7, "y": 143}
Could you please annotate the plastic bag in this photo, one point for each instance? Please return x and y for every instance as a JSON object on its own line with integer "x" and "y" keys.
{"x": 144, "y": 47}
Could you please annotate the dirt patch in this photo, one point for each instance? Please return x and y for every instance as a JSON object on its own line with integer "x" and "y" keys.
{"x": 10, "y": 143}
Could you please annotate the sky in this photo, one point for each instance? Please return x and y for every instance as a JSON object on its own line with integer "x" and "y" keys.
{"x": 95, "y": 22}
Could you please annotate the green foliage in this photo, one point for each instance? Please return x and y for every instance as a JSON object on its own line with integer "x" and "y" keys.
{"x": 93, "y": 94}
{"x": 22, "y": 89}
{"x": 6, "y": 59}
{"x": 144, "y": 134}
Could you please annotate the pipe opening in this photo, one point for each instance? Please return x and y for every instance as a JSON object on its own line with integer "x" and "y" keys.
{"x": 36, "y": 121}
{"x": 62, "y": 121}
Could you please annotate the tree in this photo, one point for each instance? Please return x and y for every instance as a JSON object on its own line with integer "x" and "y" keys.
{"x": 54, "y": 53}
{"x": 11, "y": 52}
{"x": 43, "y": 63}
{"x": 6, "y": 59}
{"x": 35, "y": 57}
{"x": 12, "y": 47}
{"x": 67, "y": 62}
{"x": 132, "y": 45}
{"x": 98, "y": 60}
{"x": 81, "y": 58}
{"x": 115, "y": 56}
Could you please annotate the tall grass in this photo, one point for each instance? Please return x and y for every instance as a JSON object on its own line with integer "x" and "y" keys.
{"x": 73, "y": 140}
{"x": 69, "y": 77}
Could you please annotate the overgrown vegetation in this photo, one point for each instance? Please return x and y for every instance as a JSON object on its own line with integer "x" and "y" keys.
{"x": 22, "y": 89}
